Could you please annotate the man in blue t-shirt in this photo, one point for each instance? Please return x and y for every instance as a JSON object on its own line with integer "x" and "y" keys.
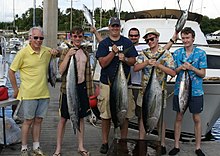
{"x": 194, "y": 60}
{"x": 109, "y": 54}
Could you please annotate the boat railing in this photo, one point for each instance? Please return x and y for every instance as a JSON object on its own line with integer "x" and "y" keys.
{"x": 2, "y": 56}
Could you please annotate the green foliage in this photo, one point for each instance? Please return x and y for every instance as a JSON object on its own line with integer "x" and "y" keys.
{"x": 25, "y": 22}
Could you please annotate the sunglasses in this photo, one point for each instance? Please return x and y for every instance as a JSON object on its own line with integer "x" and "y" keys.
{"x": 79, "y": 36}
{"x": 36, "y": 38}
{"x": 136, "y": 35}
{"x": 150, "y": 39}
{"x": 115, "y": 25}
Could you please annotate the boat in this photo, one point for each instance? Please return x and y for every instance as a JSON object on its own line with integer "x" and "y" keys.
{"x": 164, "y": 20}
{"x": 3, "y": 62}
{"x": 14, "y": 45}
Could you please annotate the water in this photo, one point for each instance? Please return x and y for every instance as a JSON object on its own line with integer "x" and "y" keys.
{"x": 8, "y": 110}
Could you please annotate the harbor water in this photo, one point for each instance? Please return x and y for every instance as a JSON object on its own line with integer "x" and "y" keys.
{"x": 215, "y": 130}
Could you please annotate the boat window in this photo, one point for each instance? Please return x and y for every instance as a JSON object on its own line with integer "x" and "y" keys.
{"x": 213, "y": 62}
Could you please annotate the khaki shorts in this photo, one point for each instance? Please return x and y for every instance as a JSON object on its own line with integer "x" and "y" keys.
{"x": 104, "y": 106}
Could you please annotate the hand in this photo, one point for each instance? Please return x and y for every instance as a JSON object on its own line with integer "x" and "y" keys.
{"x": 115, "y": 48}
{"x": 15, "y": 94}
{"x": 53, "y": 51}
{"x": 187, "y": 66}
{"x": 72, "y": 51}
{"x": 92, "y": 29}
{"x": 152, "y": 62}
{"x": 121, "y": 57}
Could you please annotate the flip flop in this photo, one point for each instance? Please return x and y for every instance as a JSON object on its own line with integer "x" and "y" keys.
{"x": 83, "y": 153}
{"x": 57, "y": 154}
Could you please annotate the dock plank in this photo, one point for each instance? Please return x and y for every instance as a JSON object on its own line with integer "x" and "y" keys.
{"x": 92, "y": 137}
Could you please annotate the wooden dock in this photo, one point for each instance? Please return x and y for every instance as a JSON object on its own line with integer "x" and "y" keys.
{"x": 92, "y": 137}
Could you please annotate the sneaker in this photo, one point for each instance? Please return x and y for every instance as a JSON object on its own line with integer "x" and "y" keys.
{"x": 38, "y": 152}
{"x": 104, "y": 148}
{"x": 174, "y": 151}
{"x": 24, "y": 152}
{"x": 163, "y": 150}
{"x": 199, "y": 152}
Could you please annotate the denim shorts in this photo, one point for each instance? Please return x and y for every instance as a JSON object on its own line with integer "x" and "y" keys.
{"x": 35, "y": 108}
{"x": 195, "y": 104}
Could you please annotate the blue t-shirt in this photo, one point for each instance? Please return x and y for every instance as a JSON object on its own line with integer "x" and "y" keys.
{"x": 105, "y": 47}
{"x": 198, "y": 59}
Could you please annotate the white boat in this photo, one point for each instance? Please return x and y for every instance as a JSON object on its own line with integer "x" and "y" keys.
{"x": 164, "y": 21}
{"x": 3, "y": 62}
{"x": 14, "y": 45}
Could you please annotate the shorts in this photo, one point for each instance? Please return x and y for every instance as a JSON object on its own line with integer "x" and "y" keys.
{"x": 104, "y": 105}
{"x": 137, "y": 99}
{"x": 195, "y": 104}
{"x": 35, "y": 108}
{"x": 84, "y": 109}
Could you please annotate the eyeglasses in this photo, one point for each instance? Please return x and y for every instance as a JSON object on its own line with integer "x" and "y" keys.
{"x": 136, "y": 35}
{"x": 150, "y": 39}
{"x": 115, "y": 25}
{"x": 37, "y": 37}
{"x": 79, "y": 36}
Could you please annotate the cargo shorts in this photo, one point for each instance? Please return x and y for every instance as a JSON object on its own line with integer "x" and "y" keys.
{"x": 104, "y": 102}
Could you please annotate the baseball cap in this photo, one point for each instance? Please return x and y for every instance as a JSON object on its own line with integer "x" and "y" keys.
{"x": 114, "y": 20}
{"x": 151, "y": 31}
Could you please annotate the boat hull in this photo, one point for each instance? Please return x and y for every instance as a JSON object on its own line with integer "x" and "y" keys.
{"x": 209, "y": 115}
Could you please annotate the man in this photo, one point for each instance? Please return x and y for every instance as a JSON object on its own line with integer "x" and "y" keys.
{"x": 194, "y": 60}
{"x": 32, "y": 62}
{"x": 109, "y": 54}
{"x": 84, "y": 79}
{"x": 164, "y": 65}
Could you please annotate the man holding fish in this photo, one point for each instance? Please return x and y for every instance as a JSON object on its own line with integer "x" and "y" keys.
{"x": 193, "y": 61}
{"x": 32, "y": 63}
{"x": 156, "y": 62}
{"x": 115, "y": 54}
{"x": 76, "y": 86}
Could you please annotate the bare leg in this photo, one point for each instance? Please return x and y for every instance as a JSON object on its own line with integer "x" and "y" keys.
{"x": 60, "y": 134}
{"x": 25, "y": 130}
{"x": 124, "y": 129}
{"x": 197, "y": 128}
{"x": 36, "y": 129}
{"x": 106, "y": 123}
{"x": 177, "y": 128}
{"x": 80, "y": 136}
{"x": 142, "y": 132}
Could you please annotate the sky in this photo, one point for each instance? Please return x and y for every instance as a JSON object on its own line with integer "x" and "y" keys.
{"x": 204, "y": 7}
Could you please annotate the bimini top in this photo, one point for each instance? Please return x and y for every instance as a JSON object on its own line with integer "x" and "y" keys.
{"x": 162, "y": 13}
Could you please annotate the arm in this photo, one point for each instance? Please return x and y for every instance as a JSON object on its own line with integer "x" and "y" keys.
{"x": 13, "y": 81}
{"x": 200, "y": 72}
{"x": 97, "y": 34}
{"x": 64, "y": 63}
{"x": 165, "y": 69}
{"x": 106, "y": 60}
{"x": 130, "y": 61}
{"x": 172, "y": 41}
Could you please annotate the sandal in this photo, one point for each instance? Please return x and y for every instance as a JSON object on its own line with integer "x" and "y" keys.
{"x": 83, "y": 153}
{"x": 57, "y": 154}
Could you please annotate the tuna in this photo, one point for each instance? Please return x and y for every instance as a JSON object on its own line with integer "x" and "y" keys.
{"x": 119, "y": 97}
{"x": 184, "y": 91}
{"x": 72, "y": 94}
{"x": 152, "y": 103}
{"x": 52, "y": 71}
{"x": 87, "y": 15}
{"x": 181, "y": 21}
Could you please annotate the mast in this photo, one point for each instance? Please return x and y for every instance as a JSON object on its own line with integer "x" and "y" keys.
{"x": 34, "y": 13}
